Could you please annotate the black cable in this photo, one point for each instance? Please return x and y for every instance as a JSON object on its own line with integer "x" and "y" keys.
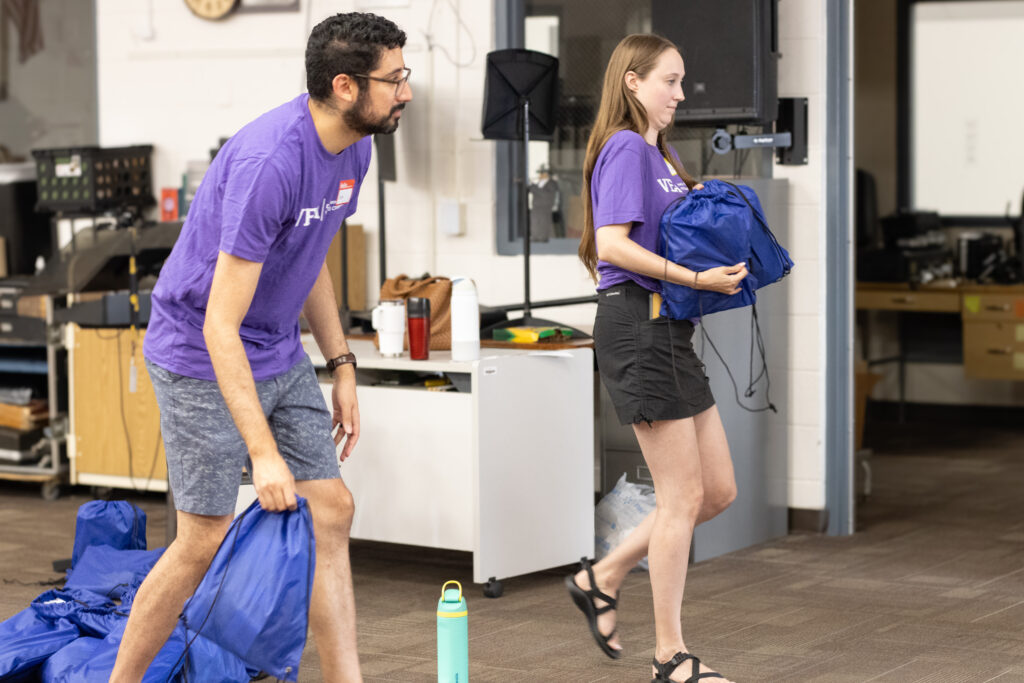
{"x": 706, "y": 339}
{"x": 124, "y": 417}
{"x": 47, "y": 582}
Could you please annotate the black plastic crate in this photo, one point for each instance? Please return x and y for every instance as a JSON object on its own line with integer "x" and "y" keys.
{"x": 89, "y": 179}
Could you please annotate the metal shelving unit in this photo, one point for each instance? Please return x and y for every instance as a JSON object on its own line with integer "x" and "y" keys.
{"x": 52, "y": 467}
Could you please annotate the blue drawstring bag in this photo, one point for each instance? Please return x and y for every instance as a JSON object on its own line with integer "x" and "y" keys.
{"x": 28, "y": 639}
{"x": 254, "y": 599}
{"x": 210, "y": 663}
{"x": 93, "y": 614}
{"x": 116, "y": 523}
{"x": 112, "y": 572}
{"x": 92, "y": 659}
{"x": 53, "y": 620}
{"x": 719, "y": 225}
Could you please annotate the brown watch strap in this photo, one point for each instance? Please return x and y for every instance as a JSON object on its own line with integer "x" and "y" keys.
{"x": 333, "y": 363}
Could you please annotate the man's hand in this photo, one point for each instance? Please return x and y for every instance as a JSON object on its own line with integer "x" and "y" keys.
{"x": 274, "y": 483}
{"x": 723, "y": 279}
{"x": 346, "y": 410}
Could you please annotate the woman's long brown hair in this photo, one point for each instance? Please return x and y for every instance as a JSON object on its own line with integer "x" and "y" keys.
{"x": 621, "y": 110}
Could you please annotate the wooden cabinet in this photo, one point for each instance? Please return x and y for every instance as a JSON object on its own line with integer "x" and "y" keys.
{"x": 114, "y": 435}
{"x": 902, "y": 299}
{"x": 992, "y": 318}
{"x": 993, "y": 334}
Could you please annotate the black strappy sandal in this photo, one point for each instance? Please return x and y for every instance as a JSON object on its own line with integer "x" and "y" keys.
{"x": 665, "y": 669}
{"x": 585, "y": 600}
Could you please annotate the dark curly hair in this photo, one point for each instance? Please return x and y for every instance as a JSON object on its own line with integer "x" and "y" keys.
{"x": 349, "y": 43}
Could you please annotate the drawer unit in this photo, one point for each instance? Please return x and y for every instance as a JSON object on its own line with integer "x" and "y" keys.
{"x": 993, "y": 307}
{"x": 994, "y": 350}
{"x": 905, "y": 300}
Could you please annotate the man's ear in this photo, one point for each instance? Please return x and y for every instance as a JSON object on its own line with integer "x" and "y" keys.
{"x": 345, "y": 88}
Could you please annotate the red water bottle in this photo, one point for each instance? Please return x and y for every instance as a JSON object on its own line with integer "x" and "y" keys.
{"x": 419, "y": 328}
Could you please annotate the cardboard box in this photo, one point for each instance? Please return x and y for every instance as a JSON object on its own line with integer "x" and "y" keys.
{"x": 356, "y": 267}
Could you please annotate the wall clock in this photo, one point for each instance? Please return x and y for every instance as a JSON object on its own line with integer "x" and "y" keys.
{"x": 213, "y": 10}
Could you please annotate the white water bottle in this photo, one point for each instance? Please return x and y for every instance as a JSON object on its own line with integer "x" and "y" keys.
{"x": 465, "y": 320}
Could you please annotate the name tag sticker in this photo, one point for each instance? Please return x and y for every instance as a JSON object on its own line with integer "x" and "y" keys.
{"x": 345, "y": 188}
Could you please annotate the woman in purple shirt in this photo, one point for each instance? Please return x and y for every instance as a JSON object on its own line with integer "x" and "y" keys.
{"x": 656, "y": 381}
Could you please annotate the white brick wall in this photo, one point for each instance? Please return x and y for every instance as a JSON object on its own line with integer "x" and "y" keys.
{"x": 802, "y": 74}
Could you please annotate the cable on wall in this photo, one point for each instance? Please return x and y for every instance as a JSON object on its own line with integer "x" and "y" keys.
{"x": 429, "y": 35}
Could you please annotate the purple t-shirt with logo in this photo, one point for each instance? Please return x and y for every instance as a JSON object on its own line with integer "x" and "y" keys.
{"x": 632, "y": 183}
{"x": 272, "y": 195}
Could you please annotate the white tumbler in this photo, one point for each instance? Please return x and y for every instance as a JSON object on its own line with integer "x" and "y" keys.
{"x": 465, "y": 320}
{"x": 389, "y": 321}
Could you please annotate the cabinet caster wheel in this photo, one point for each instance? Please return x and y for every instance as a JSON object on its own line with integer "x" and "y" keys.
{"x": 493, "y": 588}
{"x": 50, "y": 490}
{"x": 101, "y": 492}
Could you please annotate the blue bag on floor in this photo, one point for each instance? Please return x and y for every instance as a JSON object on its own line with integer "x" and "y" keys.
{"x": 92, "y": 659}
{"x": 112, "y": 572}
{"x": 54, "y": 619}
{"x": 93, "y": 614}
{"x": 254, "y": 599}
{"x": 27, "y": 639}
{"x": 719, "y": 225}
{"x": 116, "y": 523}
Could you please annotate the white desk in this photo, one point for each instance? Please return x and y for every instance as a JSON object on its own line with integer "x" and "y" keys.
{"x": 504, "y": 470}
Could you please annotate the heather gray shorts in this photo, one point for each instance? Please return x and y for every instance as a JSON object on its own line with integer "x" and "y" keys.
{"x": 205, "y": 452}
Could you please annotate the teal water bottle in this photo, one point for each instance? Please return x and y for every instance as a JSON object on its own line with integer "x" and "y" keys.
{"x": 452, "y": 635}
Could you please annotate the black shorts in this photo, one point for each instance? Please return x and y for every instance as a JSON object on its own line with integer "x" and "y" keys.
{"x": 648, "y": 366}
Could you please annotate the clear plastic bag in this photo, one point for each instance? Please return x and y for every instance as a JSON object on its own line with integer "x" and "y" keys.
{"x": 618, "y": 513}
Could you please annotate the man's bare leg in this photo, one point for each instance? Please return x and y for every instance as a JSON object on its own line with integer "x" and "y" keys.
{"x": 332, "y": 612}
{"x": 162, "y": 595}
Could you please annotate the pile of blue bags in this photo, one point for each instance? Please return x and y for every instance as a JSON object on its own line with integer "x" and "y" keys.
{"x": 248, "y": 616}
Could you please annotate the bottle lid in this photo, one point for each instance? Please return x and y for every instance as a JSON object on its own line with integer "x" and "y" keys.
{"x": 418, "y": 307}
{"x": 452, "y": 604}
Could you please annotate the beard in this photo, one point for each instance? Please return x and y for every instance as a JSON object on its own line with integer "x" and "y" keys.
{"x": 359, "y": 119}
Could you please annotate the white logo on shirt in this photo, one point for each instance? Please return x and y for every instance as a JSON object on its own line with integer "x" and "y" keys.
{"x": 317, "y": 213}
{"x": 313, "y": 213}
{"x": 307, "y": 215}
{"x": 668, "y": 186}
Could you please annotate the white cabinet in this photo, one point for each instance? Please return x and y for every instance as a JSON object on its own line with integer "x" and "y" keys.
{"x": 502, "y": 468}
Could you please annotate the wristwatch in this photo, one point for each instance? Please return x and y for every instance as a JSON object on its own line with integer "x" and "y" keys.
{"x": 344, "y": 358}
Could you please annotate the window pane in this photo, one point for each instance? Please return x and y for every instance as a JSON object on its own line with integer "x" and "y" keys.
{"x": 582, "y": 34}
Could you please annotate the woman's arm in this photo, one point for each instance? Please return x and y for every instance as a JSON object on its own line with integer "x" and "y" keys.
{"x": 615, "y": 247}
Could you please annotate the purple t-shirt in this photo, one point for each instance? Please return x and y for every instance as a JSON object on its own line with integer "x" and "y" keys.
{"x": 632, "y": 183}
{"x": 273, "y": 195}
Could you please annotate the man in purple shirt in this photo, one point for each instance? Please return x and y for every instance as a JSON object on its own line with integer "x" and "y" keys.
{"x": 235, "y": 388}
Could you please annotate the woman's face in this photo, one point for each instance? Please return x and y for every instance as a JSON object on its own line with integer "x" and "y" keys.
{"x": 662, "y": 90}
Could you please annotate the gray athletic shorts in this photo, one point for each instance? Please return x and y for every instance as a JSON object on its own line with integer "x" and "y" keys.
{"x": 205, "y": 452}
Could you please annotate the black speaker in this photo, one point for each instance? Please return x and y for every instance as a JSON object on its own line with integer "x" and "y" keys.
{"x": 730, "y": 50}
{"x": 513, "y": 76}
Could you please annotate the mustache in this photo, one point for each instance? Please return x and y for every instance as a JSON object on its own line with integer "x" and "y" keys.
{"x": 398, "y": 108}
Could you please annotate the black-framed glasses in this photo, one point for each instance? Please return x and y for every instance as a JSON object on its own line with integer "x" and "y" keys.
{"x": 398, "y": 83}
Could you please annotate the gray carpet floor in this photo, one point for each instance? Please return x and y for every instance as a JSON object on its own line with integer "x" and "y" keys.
{"x": 930, "y": 589}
